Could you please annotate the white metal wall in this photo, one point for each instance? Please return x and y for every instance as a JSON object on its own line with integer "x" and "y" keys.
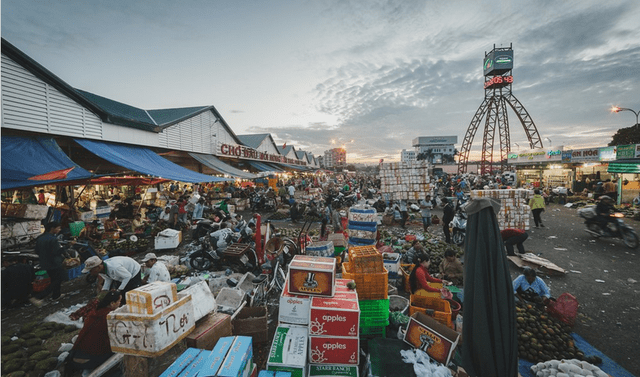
{"x": 268, "y": 147}
{"x": 202, "y": 133}
{"x": 30, "y": 104}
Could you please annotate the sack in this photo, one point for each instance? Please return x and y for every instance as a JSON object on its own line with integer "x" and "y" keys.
{"x": 564, "y": 308}
{"x": 435, "y": 220}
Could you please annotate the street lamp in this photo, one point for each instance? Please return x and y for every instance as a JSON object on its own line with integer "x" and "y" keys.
{"x": 517, "y": 145}
{"x": 616, "y": 109}
{"x": 550, "y": 143}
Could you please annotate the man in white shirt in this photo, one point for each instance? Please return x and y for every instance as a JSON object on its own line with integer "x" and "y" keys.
{"x": 124, "y": 270}
{"x": 292, "y": 191}
{"x": 156, "y": 271}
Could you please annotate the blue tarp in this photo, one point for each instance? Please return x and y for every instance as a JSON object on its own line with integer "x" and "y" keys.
{"x": 216, "y": 164}
{"x": 26, "y": 157}
{"x": 274, "y": 167}
{"x": 260, "y": 166}
{"x": 145, "y": 161}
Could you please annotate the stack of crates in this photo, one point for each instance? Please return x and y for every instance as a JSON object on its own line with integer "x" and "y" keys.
{"x": 435, "y": 307}
{"x": 374, "y": 317}
{"x": 362, "y": 226}
{"x": 366, "y": 268}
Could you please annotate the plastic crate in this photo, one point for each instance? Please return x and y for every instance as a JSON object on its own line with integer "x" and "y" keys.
{"x": 437, "y": 308}
{"x": 76, "y": 227}
{"x": 74, "y": 272}
{"x": 371, "y": 285}
{"x": 375, "y": 331}
{"x": 374, "y": 312}
{"x": 405, "y": 271}
{"x": 365, "y": 259}
{"x": 41, "y": 282}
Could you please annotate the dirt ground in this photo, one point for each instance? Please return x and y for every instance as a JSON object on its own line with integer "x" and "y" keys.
{"x": 608, "y": 312}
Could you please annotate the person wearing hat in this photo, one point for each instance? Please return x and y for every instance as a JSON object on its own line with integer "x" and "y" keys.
{"x": 529, "y": 287}
{"x": 156, "y": 271}
{"x": 117, "y": 269}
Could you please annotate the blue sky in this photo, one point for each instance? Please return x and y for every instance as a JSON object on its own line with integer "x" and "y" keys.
{"x": 377, "y": 72}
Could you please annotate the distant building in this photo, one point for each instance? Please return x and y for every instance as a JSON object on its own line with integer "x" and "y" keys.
{"x": 335, "y": 157}
{"x": 321, "y": 161}
{"x": 436, "y": 149}
{"x": 407, "y": 156}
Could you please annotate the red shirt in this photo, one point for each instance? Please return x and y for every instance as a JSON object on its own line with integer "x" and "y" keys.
{"x": 94, "y": 338}
{"x": 422, "y": 276}
{"x": 509, "y": 232}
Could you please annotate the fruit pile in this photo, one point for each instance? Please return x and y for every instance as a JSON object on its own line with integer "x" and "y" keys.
{"x": 542, "y": 338}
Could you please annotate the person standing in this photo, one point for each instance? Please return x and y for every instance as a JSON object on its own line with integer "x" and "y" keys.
{"x": 157, "y": 271}
{"x": 404, "y": 214}
{"x": 51, "y": 257}
{"x": 447, "y": 217}
{"x": 124, "y": 270}
{"x": 292, "y": 191}
{"x": 512, "y": 237}
{"x": 425, "y": 212}
{"x": 537, "y": 206}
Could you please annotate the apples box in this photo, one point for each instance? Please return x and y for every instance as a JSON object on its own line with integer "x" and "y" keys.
{"x": 346, "y": 295}
{"x": 312, "y": 275}
{"x": 239, "y": 360}
{"x": 209, "y": 330}
{"x": 391, "y": 262}
{"x": 289, "y": 350}
{"x": 293, "y": 308}
{"x": 330, "y": 370}
{"x": 432, "y": 337}
{"x": 151, "y": 298}
{"x": 334, "y": 350}
{"x": 333, "y": 317}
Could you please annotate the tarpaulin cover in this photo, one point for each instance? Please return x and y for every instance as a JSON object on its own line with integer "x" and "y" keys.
{"x": 274, "y": 167}
{"x": 216, "y": 164}
{"x": 36, "y": 161}
{"x": 127, "y": 181}
{"x": 145, "y": 161}
{"x": 626, "y": 167}
{"x": 260, "y": 166}
{"x": 490, "y": 346}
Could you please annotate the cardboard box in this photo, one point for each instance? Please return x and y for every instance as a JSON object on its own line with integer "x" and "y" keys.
{"x": 150, "y": 334}
{"x": 432, "y": 337}
{"x": 334, "y": 317}
{"x": 26, "y": 211}
{"x": 312, "y": 275}
{"x": 168, "y": 239}
{"x": 182, "y": 362}
{"x": 334, "y": 350}
{"x": 293, "y": 308}
{"x": 239, "y": 360}
{"x": 196, "y": 364}
{"x": 289, "y": 350}
{"x": 151, "y": 298}
{"x": 217, "y": 356}
{"x": 252, "y": 322}
{"x": 201, "y": 293}
{"x": 272, "y": 373}
{"x": 329, "y": 370}
{"x": 209, "y": 330}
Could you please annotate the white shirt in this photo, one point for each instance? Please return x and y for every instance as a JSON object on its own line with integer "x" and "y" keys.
{"x": 165, "y": 216}
{"x": 158, "y": 272}
{"x": 120, "y": 269}
{"x": 292, "y": 190}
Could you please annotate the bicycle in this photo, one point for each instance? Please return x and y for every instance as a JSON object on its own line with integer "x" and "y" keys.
{"x": 266, "y": 283}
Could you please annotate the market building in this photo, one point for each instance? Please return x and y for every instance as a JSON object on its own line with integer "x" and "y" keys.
{"x": 437, "y": 149}
{"x": 407, "y": 156}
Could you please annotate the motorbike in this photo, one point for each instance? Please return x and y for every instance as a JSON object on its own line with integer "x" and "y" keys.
{"x": 260, "y": 202}
{"x": 615, "y": 228}
{"x": 210, "y": 257}
{"x": 459, "y": 224}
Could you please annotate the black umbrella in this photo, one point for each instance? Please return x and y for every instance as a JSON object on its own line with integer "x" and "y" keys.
{"x": 490, "y": 342}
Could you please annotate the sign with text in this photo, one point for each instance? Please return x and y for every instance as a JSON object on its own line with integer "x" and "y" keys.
{"x": 536, "y": 156}
{"x": 587, "y": 154}
{"x": 250, "y": 153}
{"x": 608, "y": 153}
{"x": 625, "y": 151}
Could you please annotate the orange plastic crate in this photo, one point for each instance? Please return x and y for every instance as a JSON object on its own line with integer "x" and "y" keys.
{"x": 365, "y": 259}
{"x": 440, "y": 309}
{"x": 371, "y": 285}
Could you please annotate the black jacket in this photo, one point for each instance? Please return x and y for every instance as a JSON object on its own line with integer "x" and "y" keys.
{"x": 448, "y": 213}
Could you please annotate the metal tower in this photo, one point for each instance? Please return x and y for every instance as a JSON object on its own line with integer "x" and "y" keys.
{"x": 498, "y": 80}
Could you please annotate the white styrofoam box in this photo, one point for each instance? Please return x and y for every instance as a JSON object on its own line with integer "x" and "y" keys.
{"x": 320, "y": 249}
{"x": 168, "y": 239}
{"x": 20, "y": 228}
{"x": 391, "y": 262}
{"x": 102, "y": 210}
{"x": 229, "y": 299}
{"x": 151, "y": 298}
{"x": 204, "y": 301}
{"x": 150, "y": 334}
{"x": 86, "y": 216}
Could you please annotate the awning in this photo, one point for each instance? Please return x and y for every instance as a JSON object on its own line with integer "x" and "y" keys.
{"x": 127, "y": 181}
{"x": 36, "y": 161}
{"x": 145, "y": 161}
{"x": 631, "y": 166}
{"x": 274, "y": 167}
{"x": 218, "y": 165}
{"x": 260, "y": 166}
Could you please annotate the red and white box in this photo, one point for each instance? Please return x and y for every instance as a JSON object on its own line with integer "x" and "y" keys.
{"x": 346, "y": 295}
{"x": 293, "y": 308}
{"x": 334, "y": 317}
{"x": 313, "y": 276}
{"x": 334, "y": 350}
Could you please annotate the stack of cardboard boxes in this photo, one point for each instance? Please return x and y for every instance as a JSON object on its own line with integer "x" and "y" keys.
{"x": 514, "y": 208}
{"x": 406, "y": 180}
{"x": 318, "y": 322}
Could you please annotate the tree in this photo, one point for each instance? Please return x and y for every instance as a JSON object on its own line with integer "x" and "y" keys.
{"x": 629, "y": 135}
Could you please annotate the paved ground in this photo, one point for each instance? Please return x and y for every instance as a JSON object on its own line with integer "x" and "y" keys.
{"x": 609, "y": 310}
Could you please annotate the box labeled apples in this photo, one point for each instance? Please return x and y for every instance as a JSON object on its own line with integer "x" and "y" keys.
{"x": 333, "y": 350}
{"x": 333, "y": 317}
{"x": 329, "y": 370}
{"x": 312, "y": 275}
{"x": 432, "y": 337}
{"x": 289, "y": 350}
{"x": 293, "y": 308}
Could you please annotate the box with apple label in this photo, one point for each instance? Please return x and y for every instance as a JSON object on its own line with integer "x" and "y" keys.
{"x": 333, "y": 317}
{"x": 293, "y": 308}
{"x": 289, "y": 350}
{"x": 334, "y": 350}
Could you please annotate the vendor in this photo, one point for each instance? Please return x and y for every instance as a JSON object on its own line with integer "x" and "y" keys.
{"x": 92, "y": 348}
{"x": 529, "y": 287}
{"x": 111, "y": 224}
{"x": 90, "y": 232}
{"x": 123, "y": 270}
{"x": 416, "y": 247}
{"x": 451, "y": 268}
{"x": 165, "y": 216}
{"x": 156, "y": 271}
{"x": 139, "y": 224}
{"x": 420, "y": 278}
{"x": 512, "y": 237}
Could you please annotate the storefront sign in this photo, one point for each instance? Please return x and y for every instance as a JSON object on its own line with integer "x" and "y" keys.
{"x": 637, "y": 150}
{"x": 536, "y": 155}
{"x": 588, "y": 154}
{"x": 566, "y": 157}
{"x": 626, "y": 151}
{"x": 608, "y": 153}
{"x": 250, "y": 153}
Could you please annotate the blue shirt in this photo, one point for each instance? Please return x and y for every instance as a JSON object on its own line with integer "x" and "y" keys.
{"x": 538, "y": 286}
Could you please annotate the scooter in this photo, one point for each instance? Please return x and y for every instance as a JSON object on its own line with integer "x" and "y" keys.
{"x": 459, "y": 224}
{"x": 616, "y": 228}
{"x": 210, "y": 257}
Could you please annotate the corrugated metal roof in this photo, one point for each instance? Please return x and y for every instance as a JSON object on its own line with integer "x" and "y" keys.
{"x": 119, "y": 109}
{"x": 253, "y": 141}
{"x": 164, "y": 116}
{"x": 301, "y": 154}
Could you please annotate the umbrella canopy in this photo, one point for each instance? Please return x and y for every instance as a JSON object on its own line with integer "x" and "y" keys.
{"x": 490, "y": 346}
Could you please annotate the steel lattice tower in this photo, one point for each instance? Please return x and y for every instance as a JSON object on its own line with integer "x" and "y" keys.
{"x": 498, "y": 81}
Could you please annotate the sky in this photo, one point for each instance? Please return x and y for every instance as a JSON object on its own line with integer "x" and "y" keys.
{"x": 371, "y": 75}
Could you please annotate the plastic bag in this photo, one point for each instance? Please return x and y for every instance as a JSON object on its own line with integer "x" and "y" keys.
{"x": 564, "y": 308}
{"x": 446, "y": 294}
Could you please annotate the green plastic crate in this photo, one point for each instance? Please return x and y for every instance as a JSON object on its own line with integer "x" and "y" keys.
{"x": 374, "y": 313}
{"x": 373, "y": 331}
{"x": 75, "y": 228}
